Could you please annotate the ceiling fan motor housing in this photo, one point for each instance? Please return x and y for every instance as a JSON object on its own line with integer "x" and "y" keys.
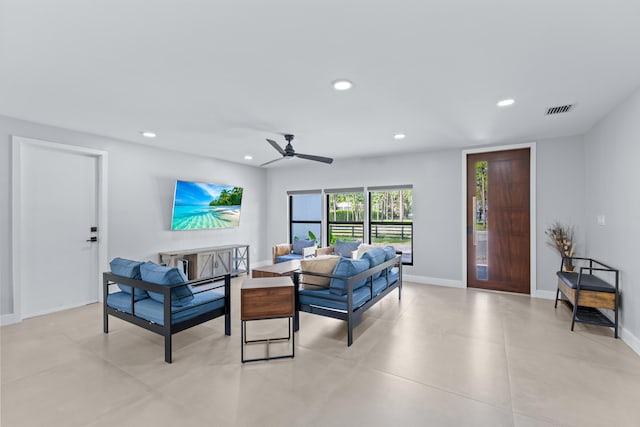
{"x": 289, "y": 151}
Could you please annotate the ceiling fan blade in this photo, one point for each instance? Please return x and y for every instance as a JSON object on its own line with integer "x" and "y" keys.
{"x": 315, "y": 158}
{"x": 272, "y": 161}
{"x": 276, "y": 146}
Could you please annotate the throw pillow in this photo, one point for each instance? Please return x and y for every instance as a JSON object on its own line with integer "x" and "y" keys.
{"x": 323, "y": 264}
{"x": 348, "y": 267}
{"x": 362, "y": 249}
{"x": 390, "y": 253}
{"x": 282, "y": 249}
{"x": 128, "y": 268}
{"x": 375, "y": 257}
{"x": 345, "y": 249}
{"x": 300, "y": 244}
{"x": 154, "y": 273}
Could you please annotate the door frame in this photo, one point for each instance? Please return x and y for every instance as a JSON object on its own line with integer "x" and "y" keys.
{"x": 17, "y": 227}
{"x": 532, "y": 208}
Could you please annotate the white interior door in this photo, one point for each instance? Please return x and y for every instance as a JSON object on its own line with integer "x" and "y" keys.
{"x": 59, "y": 205}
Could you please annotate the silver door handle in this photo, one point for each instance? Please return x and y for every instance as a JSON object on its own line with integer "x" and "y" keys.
{"x": 93, "y": 239}
{"x": 473, "y": 218}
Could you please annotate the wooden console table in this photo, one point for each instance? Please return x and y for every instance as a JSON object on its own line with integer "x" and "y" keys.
{"x": 213, "y": 261}
{"x": 266, "y": 298}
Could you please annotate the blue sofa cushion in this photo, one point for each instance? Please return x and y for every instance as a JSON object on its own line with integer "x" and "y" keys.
{"x": 128, "y": 268}
{"x": 379, "y": 285}
{"x": 152, "y": 310}
{"x": 375, "y": 257}
{"x": 122, "y": 301}
{"x": 389, "y": 253}
{"x": 161, "y": 275}
{"x": 324, "y": 298}
{"x": 393, "y": 275}
{"x": 344, "y": 249}
{"x": 347, "y": 267}
{"x": 287, "y": 257}
{"x": 299, "y": 245}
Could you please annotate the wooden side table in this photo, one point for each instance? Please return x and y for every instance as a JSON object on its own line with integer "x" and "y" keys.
{"x": 266, "y": 298}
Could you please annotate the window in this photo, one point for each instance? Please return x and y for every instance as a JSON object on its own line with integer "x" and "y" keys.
{"x": 305, "y": 216}
{"x": 386, "y": 220}
{"x": 391, "y": 219}
{"x": 345, "y": 215}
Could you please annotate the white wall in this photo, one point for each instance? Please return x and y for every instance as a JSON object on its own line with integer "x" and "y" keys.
{"x": 560, "y": 197}
{"x": 437, "y": 199}
{"x": 436, "y": 193}
{"x": 141, "y": 182}
{"x": 612, "y": 154}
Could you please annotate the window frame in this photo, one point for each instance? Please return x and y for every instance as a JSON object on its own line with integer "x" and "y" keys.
{"x": 328, "y": 194}
{"x": 373, "y": 223}
{"x": 290, "y": 195}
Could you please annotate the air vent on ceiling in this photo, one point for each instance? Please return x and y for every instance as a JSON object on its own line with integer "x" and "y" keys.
{"x": 559, "y": 109}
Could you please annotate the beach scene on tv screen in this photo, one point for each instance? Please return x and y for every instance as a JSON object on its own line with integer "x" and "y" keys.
{"x": 199, "y": 205}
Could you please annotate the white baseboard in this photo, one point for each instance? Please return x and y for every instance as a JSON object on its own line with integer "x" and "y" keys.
{"x": 57, "y": 309}
{"x": 630, "y": 339}
{"x": 433, "y": 281}
{"x": 9, "y": 319}
{"x": 544, "y": 294}
{"x": 550, "y": 295}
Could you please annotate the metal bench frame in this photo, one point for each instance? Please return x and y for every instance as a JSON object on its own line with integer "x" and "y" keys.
{"x": 168, "y": 328}
{"x": 588, "y": 304}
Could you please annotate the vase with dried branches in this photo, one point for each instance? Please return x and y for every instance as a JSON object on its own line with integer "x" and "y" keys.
{"x": 561, "y": 238}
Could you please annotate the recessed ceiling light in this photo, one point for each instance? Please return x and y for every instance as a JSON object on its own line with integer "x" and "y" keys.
{"x": 342, "y": 85}
{"x": 247, "y": 157}
{"x": 399, "y": 136}
{"x": 148, "y": 134}
{"x": 506, "y": 102}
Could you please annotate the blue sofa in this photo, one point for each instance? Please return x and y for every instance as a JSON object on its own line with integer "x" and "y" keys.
{"x": 353, "y": 287}
{"x": 161, "y": 300}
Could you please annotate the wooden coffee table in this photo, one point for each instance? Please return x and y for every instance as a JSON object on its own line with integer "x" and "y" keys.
{"x": 276, "y": 270}
{"x": 266, "y": 298}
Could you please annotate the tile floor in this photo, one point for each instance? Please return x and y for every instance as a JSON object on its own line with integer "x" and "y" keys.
{"x": 439, "y": 357}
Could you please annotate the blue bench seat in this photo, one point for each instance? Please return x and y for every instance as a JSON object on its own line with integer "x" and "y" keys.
{"x": 151, "y": 310}
{"x": 324, "y": 298}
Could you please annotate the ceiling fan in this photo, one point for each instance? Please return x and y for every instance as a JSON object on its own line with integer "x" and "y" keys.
{"x": 289, "y": 152}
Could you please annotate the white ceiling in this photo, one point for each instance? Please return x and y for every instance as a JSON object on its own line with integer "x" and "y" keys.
{"x": 217, "y": 77}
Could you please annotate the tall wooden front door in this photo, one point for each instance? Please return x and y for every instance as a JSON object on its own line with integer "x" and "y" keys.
{"x": 498, "y": 221}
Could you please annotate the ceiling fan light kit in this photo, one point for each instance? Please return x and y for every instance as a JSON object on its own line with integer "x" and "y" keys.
{"x": 288, "y": 152}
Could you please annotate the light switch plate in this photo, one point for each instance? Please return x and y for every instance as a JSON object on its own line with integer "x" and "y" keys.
{"x": 601, "y": 220}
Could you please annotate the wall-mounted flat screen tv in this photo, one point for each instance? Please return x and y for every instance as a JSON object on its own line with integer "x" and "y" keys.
{"x": 198, "y": 205}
